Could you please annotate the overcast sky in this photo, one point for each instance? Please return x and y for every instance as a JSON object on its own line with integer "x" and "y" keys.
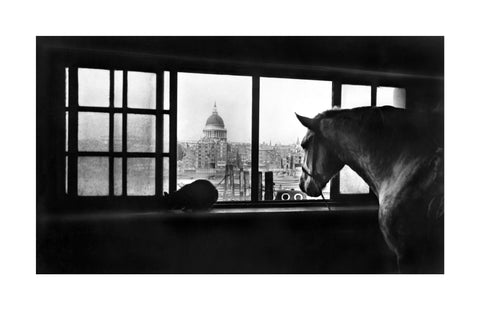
{"x": 197, "y": 93}
{"x": 279, "y": 100}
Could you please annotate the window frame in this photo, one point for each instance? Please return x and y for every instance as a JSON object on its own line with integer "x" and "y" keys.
{"x": 159, "y": 65}
{"x": 73, "y": 109}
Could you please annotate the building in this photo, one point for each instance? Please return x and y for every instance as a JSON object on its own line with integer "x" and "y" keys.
{"x": 212, "y": 149}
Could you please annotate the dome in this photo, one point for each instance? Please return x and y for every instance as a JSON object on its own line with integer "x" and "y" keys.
{"x": 214, "y": 121}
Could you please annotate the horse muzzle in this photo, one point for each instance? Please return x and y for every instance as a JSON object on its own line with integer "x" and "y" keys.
{"x": 310, "y": 186}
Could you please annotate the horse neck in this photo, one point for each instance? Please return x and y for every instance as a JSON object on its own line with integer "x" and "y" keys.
{"x": 372, "y": 156}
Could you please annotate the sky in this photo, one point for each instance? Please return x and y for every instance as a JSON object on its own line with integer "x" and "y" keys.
{"x": 197, "y": 94}
{"x": 279, "y": 100}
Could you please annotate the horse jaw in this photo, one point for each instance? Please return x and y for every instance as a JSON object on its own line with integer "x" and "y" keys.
{"x": 310, "y": 187}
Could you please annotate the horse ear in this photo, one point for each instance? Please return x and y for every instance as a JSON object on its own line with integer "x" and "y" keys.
{"x": 307, "y": 122}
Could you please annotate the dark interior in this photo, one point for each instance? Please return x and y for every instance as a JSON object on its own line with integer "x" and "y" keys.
{"x": 136, "y": 235}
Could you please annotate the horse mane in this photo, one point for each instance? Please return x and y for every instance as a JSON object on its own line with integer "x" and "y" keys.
{"x": 387, "y": 124}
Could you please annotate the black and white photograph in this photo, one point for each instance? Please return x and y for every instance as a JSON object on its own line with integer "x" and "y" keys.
{"x": 240, "y": 155}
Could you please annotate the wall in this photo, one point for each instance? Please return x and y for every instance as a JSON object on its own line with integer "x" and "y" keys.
{"x": 309, "y": 242}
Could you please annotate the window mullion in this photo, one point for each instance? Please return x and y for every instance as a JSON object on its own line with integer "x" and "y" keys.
{"x": 255, "y": 181}
{"x": 73, "y": 131}
{"x": 173, "y": 132}
{"x": 336, "y": 102}
{"x": 111, "y": 135}
{"x": 373, "y": 103}
{"x": 124, "y": 133}
{"x": 159, "y": 136}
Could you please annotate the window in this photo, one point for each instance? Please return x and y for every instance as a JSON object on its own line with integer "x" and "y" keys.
{"x": 136, "y": 133}
{"x": 280, "y": 153}
{"x": 214, "y": 132}
{"x": 353, "y": 96}
{"x": 114, "y": 122}
{"x": 391, "y": 96}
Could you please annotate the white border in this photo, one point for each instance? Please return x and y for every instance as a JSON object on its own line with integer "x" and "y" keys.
{"x": 21, "y": 288}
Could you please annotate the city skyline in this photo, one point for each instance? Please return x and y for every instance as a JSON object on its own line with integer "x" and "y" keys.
{"x": 280, "y": 99}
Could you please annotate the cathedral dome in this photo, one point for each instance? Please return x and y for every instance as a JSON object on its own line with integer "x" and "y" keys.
{"x": 214, "y": 121}
{"x": 214, "y": 127}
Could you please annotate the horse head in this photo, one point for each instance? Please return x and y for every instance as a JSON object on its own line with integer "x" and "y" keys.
{"x": 320, "y": 163}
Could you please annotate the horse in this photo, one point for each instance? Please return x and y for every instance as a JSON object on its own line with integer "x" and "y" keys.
{"x": 399, "y": 154}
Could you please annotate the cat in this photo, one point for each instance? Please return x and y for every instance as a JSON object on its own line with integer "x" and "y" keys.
{"x": 199, "y": 195}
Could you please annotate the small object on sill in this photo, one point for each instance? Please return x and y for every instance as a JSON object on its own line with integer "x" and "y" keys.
{"x": 199, "y": 195}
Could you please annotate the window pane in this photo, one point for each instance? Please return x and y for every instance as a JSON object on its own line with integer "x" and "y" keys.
{"x": 93, "y": 87}
{"x": 166, "y": 133}
{"x": 166, "y": 170}
{"x": 140, "y": 133}
{"x": 117, "y": 132}
{"x": 92, "y": 176}
{"x": 117, "y": 176}
{"x": 354, "y": 96}
{"x": 280, "y": 151}
{"x": 93, "y": 131}
{"x": 214, "y": 131}
{"x": 141, "y": 176}
{"x": 351, "y": 183}
{"x": 142, "y": 90}
{"x": 166, "y": 90}
{"x": 118, "y": 89}
{"x": 392, "y": 96}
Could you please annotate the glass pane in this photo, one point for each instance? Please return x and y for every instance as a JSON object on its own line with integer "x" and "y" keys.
{"x": 214, "y": 132}
{"x": 354, "y": 96}
{"x": 166, "y": 133}
{"x": 279, "y": 151}
{"x": 118, "y": 89}
{"x": 66, "y": 131}
{"x": 92, "y": 176}
{"x": 351, "y": 183}
{"x": 93, "y": 87}
{"x": 392, "y": 96}
{"x": 141, "y": 176}
{"x": 117, "y": 176}
{"x": 166, "y": 90}
{"x": 166, "y": 170}
{"x": 66, "y": 87}
{"x": 140, "y": 133}
{"x": 93, "y": 131}
{"x": 117, "y": 132}
{"x": 142, "y": 90}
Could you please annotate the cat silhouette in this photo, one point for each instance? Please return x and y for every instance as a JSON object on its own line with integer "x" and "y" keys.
{"x": 199, "y": 195}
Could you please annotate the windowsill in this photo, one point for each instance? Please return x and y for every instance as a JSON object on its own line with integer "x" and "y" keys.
{"x": 219, "y": 211}
{"x": 293, "y": 209}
